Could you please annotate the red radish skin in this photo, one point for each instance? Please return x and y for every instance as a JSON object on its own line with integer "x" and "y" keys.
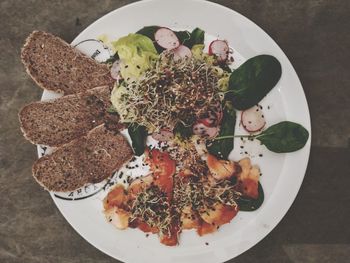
{"x": 181, "y": 52}
{"x": 163, "y": 135}
{"x": 211, "y": 120}
{"x": 166, "y": 38}
{"x": 253, "y": 119}
{"x": 205, "y": 131}
{"x": 206, "y": 121}
{"x": 219, "y": 48}
{"x": 115, "y": 70}
{"x": 214, "y": 118}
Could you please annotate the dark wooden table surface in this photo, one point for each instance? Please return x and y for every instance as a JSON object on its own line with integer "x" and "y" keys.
{"x": 315, "y": 35}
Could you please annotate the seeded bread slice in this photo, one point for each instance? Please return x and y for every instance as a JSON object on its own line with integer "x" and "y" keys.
{"x": 88, "y": 159}
{"x": 58, "y": 121}
{"x": 55, "y": 65}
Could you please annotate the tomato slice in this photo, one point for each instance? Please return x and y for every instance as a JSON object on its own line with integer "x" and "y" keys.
{"x": 163, "y": 168}
{"x": 172, "y": 239}
{"x": 205, "y": 228}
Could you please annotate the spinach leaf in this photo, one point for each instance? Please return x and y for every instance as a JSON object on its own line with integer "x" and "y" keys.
{"x": 138, "y": 135}
{"x": 186, "y": 38}
{"x": 183, "y": 131}
{"x": 250, "y": 204}
{"x": 253, "y": 80}
{"x": 183, "y": 36}
{"x": 225, "y": 67}
{"x": 196, "y": 37}
{"x": 284, "y": 137}
{"x": 149, "y": 31}
{"x": 222, "y": 148}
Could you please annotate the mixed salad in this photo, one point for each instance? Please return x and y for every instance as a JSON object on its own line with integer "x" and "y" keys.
{"x": 186, "y": 96}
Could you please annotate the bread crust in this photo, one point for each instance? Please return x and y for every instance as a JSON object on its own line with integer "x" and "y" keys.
{"x": 58, "y": 121}
{"x": 55, "y": 65}
{"x": 88, "y": 159}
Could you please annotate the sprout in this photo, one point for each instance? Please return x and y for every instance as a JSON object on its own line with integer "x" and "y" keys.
{"x": 169, "y": 93}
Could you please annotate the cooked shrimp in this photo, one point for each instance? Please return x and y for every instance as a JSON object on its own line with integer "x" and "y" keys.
{"x": 188, "y": 218}
{"x": 218, "y": 214}
{"x": 117, "y": 217}
{"x": 221, "y": 169}
{"x": 248, "y": 179}
{"x": 115, "y": 198}
{"x": 139, "y": 185}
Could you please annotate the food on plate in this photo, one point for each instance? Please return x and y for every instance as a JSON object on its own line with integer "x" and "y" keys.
{"x": 220, "y": 49}
{"x": 187, "y": 99}
{"x": 253, "y": 119}
{"x": 58, "y": 121}
{"x": 250, "y": 83}
{"x": 80, "y": 125}
{"x": 88, "y": 159}
{"x": 135, "y": 54}
{"x": 178, "y": 100}
{"x": 171, "y": 199}
{"x": 55, "y": 65}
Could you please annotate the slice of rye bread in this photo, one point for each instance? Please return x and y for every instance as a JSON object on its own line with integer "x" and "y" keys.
{"x": 58, "y": 121}
{"x": 88, "y": 159}
{"x": 55, "y": 65}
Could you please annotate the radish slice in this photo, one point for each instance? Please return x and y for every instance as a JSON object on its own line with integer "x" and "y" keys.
{"x": 166, "y": 38}
{"x": 207, "y": 122}
{"x": 181, "y": 52}
{"x": 211, "y": 120}
{"x": 214, "y": 118}
{"x": 219, "y": 48}
{"x": 115, "y": 70}
{"x": 205, "y": 131}
{"x": 253, "y": 119}
{"x": 163, "y": 135}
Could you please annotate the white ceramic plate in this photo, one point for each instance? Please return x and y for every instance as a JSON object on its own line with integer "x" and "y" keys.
{"x": 282, "y": 173}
